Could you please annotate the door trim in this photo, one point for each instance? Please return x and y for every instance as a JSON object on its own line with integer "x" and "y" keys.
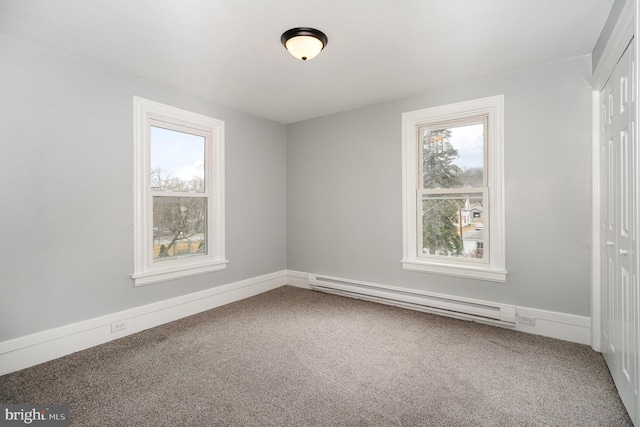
{"x": 621, "y": 36}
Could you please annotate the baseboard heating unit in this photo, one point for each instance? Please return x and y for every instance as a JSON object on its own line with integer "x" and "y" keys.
{"x": 461, "y": 308}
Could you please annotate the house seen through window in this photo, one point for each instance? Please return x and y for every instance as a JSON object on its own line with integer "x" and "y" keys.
{"x": 453, "y": 188}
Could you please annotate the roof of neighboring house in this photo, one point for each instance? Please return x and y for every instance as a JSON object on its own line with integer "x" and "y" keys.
{"x": 473, "y": 235}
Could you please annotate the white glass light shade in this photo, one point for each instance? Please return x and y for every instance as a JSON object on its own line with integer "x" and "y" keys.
{"x": 304, "y": 47}
{"x": 304, "y": 42}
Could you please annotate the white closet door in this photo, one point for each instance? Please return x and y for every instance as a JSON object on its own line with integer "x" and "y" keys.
{"x": 619, "y": 231}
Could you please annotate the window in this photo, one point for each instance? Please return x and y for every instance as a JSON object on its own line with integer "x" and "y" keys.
{"x": 453, "y": 210}
{"x": 178, "y": 192}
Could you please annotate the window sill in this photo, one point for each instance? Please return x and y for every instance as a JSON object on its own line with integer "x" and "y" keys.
{"x": 470, "y": 272}
{"x": 149, "y": 277}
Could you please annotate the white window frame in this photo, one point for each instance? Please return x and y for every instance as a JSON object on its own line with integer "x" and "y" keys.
{"x": 146, "y": 270}
{"x": 413, "y": 260}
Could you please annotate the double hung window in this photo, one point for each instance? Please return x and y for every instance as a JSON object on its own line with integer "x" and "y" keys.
{"x": 453, "y": 191}
{"x": 178, "y": 190}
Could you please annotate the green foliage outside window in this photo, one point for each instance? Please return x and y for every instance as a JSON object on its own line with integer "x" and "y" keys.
{"x": 440, "y": 217}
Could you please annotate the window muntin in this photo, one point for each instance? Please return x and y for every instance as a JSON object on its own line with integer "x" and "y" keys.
{"x": 471, "y": 187}
{"x": 179, "y": 193}
{"x": 452, "y": 162}
{"x": 179, "y": 190}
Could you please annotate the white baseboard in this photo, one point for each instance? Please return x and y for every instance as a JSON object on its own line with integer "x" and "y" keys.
{"x": 40, "y": 347}
{"x": 297, "y": 279}
{"x": 31, "y": 350}
{"x": 567, "y": 327}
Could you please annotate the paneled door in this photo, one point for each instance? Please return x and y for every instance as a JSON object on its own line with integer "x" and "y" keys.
{"x": 619, "y": 232}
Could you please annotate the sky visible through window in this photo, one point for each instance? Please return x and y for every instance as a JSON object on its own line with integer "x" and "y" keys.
{"x": 469, "y": 142}
{"x": 181, "y": 155}
{"x": 177, "y": 154}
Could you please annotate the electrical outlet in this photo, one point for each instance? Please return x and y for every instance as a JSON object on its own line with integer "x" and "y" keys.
{"x": 119, "y": 326}
{"x": 526, "y": 320}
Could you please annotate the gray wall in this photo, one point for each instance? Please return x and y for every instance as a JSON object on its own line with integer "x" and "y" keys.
{"x": 321, "y": 196}
{"x": 344, "y": 190}
{"x": 66, "y": 205}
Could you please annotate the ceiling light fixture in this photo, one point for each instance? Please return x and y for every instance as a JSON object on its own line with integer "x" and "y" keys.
{"x": 304, "y": 43}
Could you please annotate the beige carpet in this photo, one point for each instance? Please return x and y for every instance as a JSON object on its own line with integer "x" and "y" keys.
{"x": 293, "y": 357}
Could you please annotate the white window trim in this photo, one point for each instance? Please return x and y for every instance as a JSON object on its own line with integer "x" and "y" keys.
{"x": 146, "y": 271}
{"x": 494, "y": 270}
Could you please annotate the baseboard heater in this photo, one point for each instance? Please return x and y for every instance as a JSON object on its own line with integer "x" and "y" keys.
{"x": 461, "y": 308}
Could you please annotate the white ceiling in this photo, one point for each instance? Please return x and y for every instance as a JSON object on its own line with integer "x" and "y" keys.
{"x": 229, "y": 51}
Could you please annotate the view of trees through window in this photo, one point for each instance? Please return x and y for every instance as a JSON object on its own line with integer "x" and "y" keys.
{"x": 178, "y": 189}
{"x": 453, "y": 190}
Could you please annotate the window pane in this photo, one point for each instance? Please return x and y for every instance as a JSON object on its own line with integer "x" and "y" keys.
{"x": 453, "y": 157}
{"x": 453, "y": 225}
{"x": 177, "y": 160}
{"x": 179, "y": 227}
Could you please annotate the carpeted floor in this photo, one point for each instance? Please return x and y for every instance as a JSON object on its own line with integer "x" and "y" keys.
{"x": 293, "y": 357}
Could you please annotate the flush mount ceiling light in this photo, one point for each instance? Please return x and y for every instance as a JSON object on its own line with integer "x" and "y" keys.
{"x": 304, "y": 43}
